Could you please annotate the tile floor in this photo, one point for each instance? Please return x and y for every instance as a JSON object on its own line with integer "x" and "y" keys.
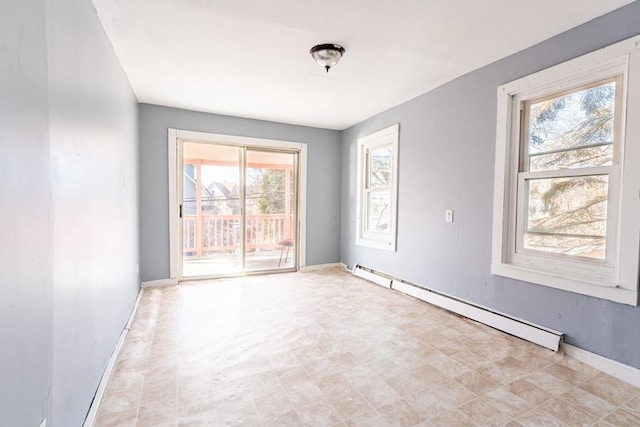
{"x": 328, "y": 349}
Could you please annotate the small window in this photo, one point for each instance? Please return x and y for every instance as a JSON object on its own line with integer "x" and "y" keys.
{"x": 566, "y": 201}
{"x": 377, "y": 188}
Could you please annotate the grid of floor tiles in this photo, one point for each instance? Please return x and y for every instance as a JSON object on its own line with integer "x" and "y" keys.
{"x": 328, "y": 349}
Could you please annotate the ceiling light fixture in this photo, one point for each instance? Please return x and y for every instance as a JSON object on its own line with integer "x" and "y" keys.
{"x": 327, "y": 55}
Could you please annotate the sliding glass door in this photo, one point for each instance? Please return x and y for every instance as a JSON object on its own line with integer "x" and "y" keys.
{"x": 270, "y": 201}
{"x": 239, "y": 210}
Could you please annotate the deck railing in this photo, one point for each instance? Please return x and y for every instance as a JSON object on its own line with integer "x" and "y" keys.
{"x": 209, "y": 233}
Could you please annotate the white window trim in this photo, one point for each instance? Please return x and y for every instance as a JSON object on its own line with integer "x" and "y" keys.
{"x": 377, "y": 240}
{"x": 622, "y": 285}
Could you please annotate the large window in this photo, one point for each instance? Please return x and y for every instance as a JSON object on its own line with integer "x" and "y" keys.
{"x": 377, "y": 185}
{"x": 566, "y": 210}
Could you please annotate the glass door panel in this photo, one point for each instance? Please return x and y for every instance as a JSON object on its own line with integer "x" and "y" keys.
{"x": 271, "y": 210}
{"x": 211, "y": 210}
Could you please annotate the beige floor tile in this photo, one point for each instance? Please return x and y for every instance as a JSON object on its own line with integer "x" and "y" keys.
{"x": 567, "y": 374}
{"x": 489, "y": 353}
{"x": 320, "y": 368}
{"x": 287, "y": 419}
{"x": 319, "y": 414}
{"x": 309, "y": 353}
{"x": 447, "y": 365}
{"x": 401, "y": 413}
{"x": 193, "y": 422}
{"x": 303, "y": 394}
{"x": 159, "y": 393}
{"x": 157, "y": 414}
{"x": 124, "y": 400}
{"x": 130, "y": 366}
{"x": 528, "y": 392}
{"x": 470, "y": 359}
{"x": 199, "y": 419}
{"x": 415, "y": 380}
{"x": 241, "y": 412}
{"x": 539, "y": 418}
{"x": 349, "y": 403}
{"x": 125, "y": 418}
{"x": 505, "y": 370}
{"x": 292, "y": 376}
{"x": 633, "y": 406}
{"x": 385, "y": 367}
{"x": 377, "y": 392}
{"x": 274, "y": 403}
{"x": 328, "y": 349}
{"x": 343, "y": 361}
{"x": 610, "y": 389}
{"x": 451, "y": 392}
{"x": 195, "y": 408}
{"x": 369, "y": 419}
{"x": 548, "y": 383}
{"x": 477, "y": 383}
{"x": 507, "y": 402}
{"x": 190, "y": 386}
{"x": 587, "y": 402}
{"x": 281, "y": 360}
{"x": 484, "y": 413}
{"x": 451, "y": 418}
{"x": 568, "y": 413}
{"x": 360, "y": 375}
{"x": 428, "y": 404}
{"x": 333, "y": 384}
{"x": 261, "y": 384}
{"x": 409, "y": 359}
{"x": 620, "y": 418}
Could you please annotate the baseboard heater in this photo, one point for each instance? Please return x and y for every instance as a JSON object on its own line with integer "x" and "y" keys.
{"x": 520, "y": 328}
{"x": 372, "y": 276}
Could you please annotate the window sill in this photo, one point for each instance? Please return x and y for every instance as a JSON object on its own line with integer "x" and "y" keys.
{"x": 377, "y": 244}
{"x": 616, "y": 294}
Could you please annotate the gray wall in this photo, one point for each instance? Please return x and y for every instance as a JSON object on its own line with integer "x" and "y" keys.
{"x": 447, "y": 147}
{"x": 26, "y": 240}
{"x": 69, "y": 209}
{"x": 323, "y": 180}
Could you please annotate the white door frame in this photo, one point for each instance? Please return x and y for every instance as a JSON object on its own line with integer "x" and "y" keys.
{"x": 174, "y": 135}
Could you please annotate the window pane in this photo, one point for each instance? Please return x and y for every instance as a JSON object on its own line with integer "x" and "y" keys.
{"x": 564, "y": 126}
{"x": 380, "y": 167}
{"x": 379, "y": 211}
{"x": 567, "y": 215}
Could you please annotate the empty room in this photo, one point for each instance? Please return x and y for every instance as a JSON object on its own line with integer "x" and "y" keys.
{"x": 319, "y": 213}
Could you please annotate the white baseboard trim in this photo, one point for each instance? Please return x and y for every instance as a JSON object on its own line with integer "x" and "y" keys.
{"x": 316, "y": 267}
{"x": 623, "y": 372}
{"x": 159, "y": 283}
{"x": 97, "y": 399}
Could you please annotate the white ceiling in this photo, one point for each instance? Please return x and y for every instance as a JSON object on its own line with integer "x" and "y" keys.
{"x": 251, "y": 58}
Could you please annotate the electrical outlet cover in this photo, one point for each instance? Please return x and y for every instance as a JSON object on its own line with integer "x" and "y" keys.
{"x": 448, "y": 215}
